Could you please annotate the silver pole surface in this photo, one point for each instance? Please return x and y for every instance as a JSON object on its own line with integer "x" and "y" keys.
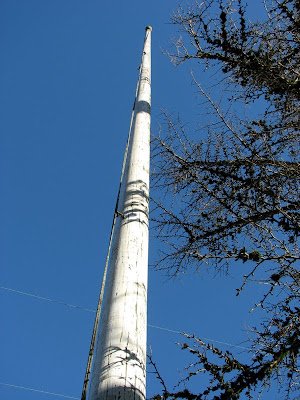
{"x": 119, "y": 366}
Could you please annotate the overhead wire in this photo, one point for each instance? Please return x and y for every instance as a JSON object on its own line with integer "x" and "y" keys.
{"x": 39, "y": 391}
{"x": 202, "y": 337}
{"x": 94, "y": 311}
{"x": 48, "y": 299}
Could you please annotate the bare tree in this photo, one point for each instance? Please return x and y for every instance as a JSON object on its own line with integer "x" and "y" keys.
{"x": 234, "y": 194}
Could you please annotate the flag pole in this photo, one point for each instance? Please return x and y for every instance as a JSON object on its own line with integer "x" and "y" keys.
{"x": 119, "y": 366}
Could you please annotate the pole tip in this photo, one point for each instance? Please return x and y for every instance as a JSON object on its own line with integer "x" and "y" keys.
{"x": 149, "y": 28}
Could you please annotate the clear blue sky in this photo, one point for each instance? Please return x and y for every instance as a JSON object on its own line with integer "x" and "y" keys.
{"x": 68, "y": 73}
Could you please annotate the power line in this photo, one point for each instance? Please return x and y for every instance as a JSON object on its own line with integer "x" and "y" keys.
{"x": 47, "y": 299}
{"x": 205, "y": 338}
{"x": 164, "y": 329}
{"x": 39, "y": 391}
{"x": 93, "y": 311}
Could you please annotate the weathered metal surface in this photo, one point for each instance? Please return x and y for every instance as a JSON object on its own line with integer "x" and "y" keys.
{"x": 119, "y": 369}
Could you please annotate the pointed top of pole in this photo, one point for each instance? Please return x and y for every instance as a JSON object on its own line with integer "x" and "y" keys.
{"x": 148, "y": 27}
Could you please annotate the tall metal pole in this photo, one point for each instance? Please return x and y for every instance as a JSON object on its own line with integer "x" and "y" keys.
{"x": 119, "y": 367}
